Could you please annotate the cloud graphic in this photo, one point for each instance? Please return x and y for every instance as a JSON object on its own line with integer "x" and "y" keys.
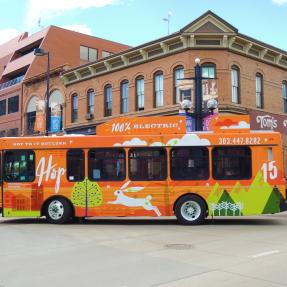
{"x": 46, "y": 10}
{"x": 241, "y": 125}
{"x": 132, "y": 142}
{"x": 157, "y": 144}
{"x": 188, "y": 140}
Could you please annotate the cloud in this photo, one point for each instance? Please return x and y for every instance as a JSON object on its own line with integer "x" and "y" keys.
{"x": 279, "y": 2}
{"x": 51, "y": 8}
{"x": 8, "y": 34}
{"x": 132, "y": 142}
{"x": 188, "y": 140}
{"x": 79, "y": 28}
{"x": 241, "y": 125}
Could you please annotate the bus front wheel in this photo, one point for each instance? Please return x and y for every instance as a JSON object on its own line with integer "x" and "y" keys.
{"x": 190, "y": 210}
{"x": 58, "y": 211}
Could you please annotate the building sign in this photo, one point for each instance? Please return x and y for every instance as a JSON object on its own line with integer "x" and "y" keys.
{"x": 40, "y": 116}
{"x": 268, "y": 121}
{"x": 209, "y": 91}
{"x": 56, "y": 118}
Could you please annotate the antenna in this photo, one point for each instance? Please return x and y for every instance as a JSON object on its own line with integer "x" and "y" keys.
{"x": 39, "y": 23}
{"x": 167, "y": 19}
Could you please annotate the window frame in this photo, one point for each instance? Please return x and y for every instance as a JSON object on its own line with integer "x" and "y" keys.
{"x": 158, "y": 89}
{"x": 284, "y": 96}
{"x": 5, "y": 107}
{"x": 176, "y": 91}
{"x": 91, "y": 95}
{"x": 215, "y": 148}
{"x": 108, "y": 149}
{"x": 18, "y": 151}
{"x": 171, "y": 171}
{"x": 235, "y": 98}
{"x": 11, "y": 106}
{"x": 208, "y": 65}
{"x": 84, "y": 157}
{"x": 259, "y": 93}
{"x": 140, "y": 93}
{"x": 74, "y": 114}
{"x": 88, "y": 52}
{"x": 108, "y": 97}
{"x": 152, "y": 149}
{"x": 124, "y": 88}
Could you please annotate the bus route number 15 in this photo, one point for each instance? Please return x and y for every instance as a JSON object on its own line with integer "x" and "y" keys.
{"x": 269, "y": 170}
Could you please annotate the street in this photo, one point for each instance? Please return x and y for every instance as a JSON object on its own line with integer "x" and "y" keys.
{"x": 123, "y": 252}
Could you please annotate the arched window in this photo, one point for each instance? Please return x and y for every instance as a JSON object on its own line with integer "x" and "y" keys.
{"x": 124, "y": 97}
{"x": 235, "y": 84}
{"x": 140, "y": 93}
{"x": 284, "y": 96}
{"x": 55, "y": 118}
{"x": 178, "y": 73}
{"x": 31, "y": 115}
{"x": 158, "y": 89}
{"x": 108, "y": 92}
{"x": 259, "y": 91}
{"x": 208, "y": 70}
{"x": 74, "y": 108}
{"x": 91, "y": 101}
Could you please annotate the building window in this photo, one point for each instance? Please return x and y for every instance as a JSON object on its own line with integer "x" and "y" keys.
{"x": 12, "y": 132}
{"x": 231, "y": 163}
{"x": 124, "y": 97}
{"x": 74, "y": 107}
{"x": 88, "y": 54}
{"x": 2, "y": 107}
{"x": 106, "y": 54}
{"x": 147, "y": 164}
{"x": 2, "y": 134}
{"x": 235, "y": 85}
{"x": 178, "y": 73}
{"x": 158, "y": 89}
{"x": 189, "y": 163}
{"x": 13, "y": 105}
{"x": 140, "y": 93}
{"x": 19, "y": 166}
{"x": 75, "y": 165}
{"x": 108, "y": 100}
{"x": 107, "y": 164}
{"x": 91, "y": 101}
{"x": 208, "y": 70}
{"x": 31, "y": 115}
{"x": 259, "y": 91}
{"x": 284, "y": 95}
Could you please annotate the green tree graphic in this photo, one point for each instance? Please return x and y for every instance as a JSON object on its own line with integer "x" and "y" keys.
{"x": 87, "y": 192}
{"x": 273, "y": 203}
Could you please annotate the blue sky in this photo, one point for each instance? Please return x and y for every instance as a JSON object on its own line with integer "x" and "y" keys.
{"x": 135, "y": 22}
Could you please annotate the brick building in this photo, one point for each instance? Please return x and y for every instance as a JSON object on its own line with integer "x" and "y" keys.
{"x": 251, "y": 78}
{"x": 18, "y": 62}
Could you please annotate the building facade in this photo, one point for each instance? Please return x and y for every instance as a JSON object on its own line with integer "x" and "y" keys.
{"x": 250, "y": 77}
{"x": 18, "y": 63}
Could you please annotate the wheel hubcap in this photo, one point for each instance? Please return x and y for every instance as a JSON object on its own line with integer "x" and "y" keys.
{"x": 190, "y": 210}
{"x": 56, "y": 209}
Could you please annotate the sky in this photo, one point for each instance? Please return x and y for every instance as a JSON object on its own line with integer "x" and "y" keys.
{"x": 134, "y": 22}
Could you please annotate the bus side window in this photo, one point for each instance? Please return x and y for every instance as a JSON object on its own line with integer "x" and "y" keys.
{"x": 19, "y": 166}
{"x": 231, "y": 163}
{"x": 189, "y": 163}
{"x": 75, "y": 165}
{"x": 147, "y": 164}
{"x": 107, "y": 164}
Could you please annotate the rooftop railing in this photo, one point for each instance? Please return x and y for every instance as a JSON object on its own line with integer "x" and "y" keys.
{"x": 11, "y": 82}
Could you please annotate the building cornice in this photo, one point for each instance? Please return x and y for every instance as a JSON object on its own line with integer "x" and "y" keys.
{"x": 194, "y": 36}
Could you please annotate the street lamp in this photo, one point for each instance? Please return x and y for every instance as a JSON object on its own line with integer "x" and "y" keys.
{"x": 186, "y": 104}
{"x": 41, "y": 52}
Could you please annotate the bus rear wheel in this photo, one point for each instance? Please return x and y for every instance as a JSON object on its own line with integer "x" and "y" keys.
{"x": 58, "y": 211}
{"x": 190, "y": 210}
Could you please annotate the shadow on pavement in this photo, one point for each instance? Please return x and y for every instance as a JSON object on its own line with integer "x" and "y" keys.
{"x": 155, "y": 221}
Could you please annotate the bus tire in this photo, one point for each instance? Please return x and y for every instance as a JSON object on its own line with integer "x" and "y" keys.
{"x": 58, "y": 210}
{"x": 190, "y": 210}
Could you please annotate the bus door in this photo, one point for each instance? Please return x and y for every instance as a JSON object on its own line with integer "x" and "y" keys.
{"x": 1, "y": 184}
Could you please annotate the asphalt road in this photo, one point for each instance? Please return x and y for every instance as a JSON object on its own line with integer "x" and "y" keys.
{"x": 139, "y": 252}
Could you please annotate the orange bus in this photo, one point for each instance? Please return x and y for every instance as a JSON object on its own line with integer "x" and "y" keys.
{"x": 145, "y": 167}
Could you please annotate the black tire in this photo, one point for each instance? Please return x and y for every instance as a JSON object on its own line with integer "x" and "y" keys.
{"x": 58, "y": 210}
{"x": 190, "y": 210}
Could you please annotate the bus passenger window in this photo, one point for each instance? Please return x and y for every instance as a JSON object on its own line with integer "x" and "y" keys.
{"x": 231, "y": 163}
{"x": 75, "y": 165}
{"x": 147, "y": 164}
{"x": 19, "y": 166}
{"x": 107, "y": 164}
{"x": 189, "y": 163}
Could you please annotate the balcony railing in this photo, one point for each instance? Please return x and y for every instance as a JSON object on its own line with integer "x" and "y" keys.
{"x": 11, "y": 82}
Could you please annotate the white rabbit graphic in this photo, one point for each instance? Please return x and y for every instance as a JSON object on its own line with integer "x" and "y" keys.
{"x": 133, "y": 202}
